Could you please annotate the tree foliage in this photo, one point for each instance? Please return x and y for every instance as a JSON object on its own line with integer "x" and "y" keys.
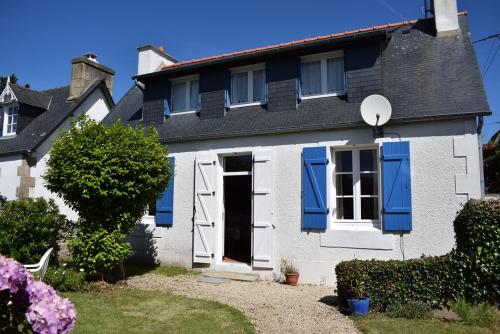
{"x": 491, "y": 161}
{"x": 13, "y": 79}
{"x": 108, "y": 175}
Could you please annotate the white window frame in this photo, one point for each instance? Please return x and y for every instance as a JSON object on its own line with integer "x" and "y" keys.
{"x": 249, "y": 69}
{"x": 187, "y": 80}
{"x": 6, "y": 120}
{"x": 356, "y": 222}
{"x": 323, "y": 58}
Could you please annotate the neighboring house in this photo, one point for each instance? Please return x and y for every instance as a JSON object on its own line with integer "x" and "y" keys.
{"x": 30, "y": 121}
{"x": 272, "y": 159}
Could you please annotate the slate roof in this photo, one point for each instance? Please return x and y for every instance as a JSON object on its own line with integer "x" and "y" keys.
{"x": 31, "y": 97}
{"x": 48, "y": 121}
{"x": 424, "y": 78}
{"x": 129, "y": 108}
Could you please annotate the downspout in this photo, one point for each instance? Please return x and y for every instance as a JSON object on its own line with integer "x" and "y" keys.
{"x": 480, "y": 122}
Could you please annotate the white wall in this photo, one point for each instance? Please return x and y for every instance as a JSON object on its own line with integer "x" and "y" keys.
{"x": 434, "y": 166}
{"x": 96, "y": 107}
{"x": 9, "y": 181}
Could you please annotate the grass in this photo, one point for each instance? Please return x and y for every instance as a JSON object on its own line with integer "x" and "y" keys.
{"x": 380, "y": 324}
{"x": 169, "y": 271}
{"x": 136, "y": 311}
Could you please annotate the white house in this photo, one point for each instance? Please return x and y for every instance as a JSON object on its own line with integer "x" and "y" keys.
{"x": 272, "y": 159}
{"x": 31, "y": 120}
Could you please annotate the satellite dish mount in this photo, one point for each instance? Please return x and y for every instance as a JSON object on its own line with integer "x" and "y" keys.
{"x": 376, "y": 111}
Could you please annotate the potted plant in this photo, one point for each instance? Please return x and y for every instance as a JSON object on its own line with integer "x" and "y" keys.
{"x": 290, "y": 271}
{"x": 359, "y": 304}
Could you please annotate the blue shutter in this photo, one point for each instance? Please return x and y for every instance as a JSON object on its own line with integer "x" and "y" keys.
{"x": 314, "y": 183}
{"x": 396, "y": 186}
{"x": 227, "y": 92}
{"x": 166, "y": 107}
{"x": 299, "y": 80}
{"x": 165, "y": 203}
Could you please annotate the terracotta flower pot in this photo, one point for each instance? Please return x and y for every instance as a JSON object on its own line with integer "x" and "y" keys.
{"x": 292, "y": 278}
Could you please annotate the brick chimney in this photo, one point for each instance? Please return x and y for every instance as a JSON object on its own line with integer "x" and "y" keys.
{"x": 152, "y": 58}
{"x": 446, "y": 17}
{"x": 84, "y": 71}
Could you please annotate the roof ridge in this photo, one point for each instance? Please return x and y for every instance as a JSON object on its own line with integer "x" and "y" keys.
{"x": 295, "y": 42}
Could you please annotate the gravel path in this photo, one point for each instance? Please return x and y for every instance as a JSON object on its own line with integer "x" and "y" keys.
{"x": 272, "y": 307}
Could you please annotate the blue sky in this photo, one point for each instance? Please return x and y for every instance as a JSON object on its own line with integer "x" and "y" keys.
{"x": 41, "y": 37}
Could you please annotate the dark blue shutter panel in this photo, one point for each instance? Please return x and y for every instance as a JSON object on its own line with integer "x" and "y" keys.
{"x": 165, "y": 203}
{"x": 396, "y": 186}
{"x": 314, "y": 188}
{"x": 227, "y": 92}
{"x": 299, "y": 80}
{"x": 166, "y": 107}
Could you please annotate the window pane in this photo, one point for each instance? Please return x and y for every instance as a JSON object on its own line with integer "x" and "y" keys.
{"x": 238, "y": 163}
{"x": 179, "y": 96}
{"x": 343, "y": 161}
{"x": 194, "y": 95}
{"x": 369, "y": 208}
{"x": 369, "y": 184}
{"x": 343, "y": 184}
{"x": 239, "y": 88}
{"x": 311, "y": 78}
{"x": 345, "y": 208}
{"x": 259, "y": 85}
{"x": 335, "y": 74}
{"x": 368, "y": 160}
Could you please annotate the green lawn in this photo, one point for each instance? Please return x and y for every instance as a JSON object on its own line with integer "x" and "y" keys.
{"x": 137, "y": 311}
{"x": 134, "y": 270}
{"x": 379, "y": 324}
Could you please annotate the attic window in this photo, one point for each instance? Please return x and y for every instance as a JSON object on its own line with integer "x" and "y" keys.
{"x": 248, "y": 85}
{"x": 185, "y": 95}
{"x": 10, "y": 120}
{"x": 322, "y": 75}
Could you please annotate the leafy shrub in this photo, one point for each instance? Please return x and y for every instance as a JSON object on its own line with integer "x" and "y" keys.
{"x": 28, "y": 227}
{"x": 108, "y": 175}
{"x": 476, "y": 258}
{"x": 100, "y": 251}
{"x": 28, "y": 306}
{"x": 471, "y": 270}
{"x": 409, "y": 311}
{"x": 427, "y": 280}
{"x": 491, "y": 164}
{"x": 3, "y": 199}
{"x": 65, "y": 278}
{"x": 479, "y": 315}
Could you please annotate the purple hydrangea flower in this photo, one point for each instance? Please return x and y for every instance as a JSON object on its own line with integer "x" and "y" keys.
{"x": 13, "y": 276}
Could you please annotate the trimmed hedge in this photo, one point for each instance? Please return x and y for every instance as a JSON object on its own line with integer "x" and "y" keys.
{"x": 472, "y": 270}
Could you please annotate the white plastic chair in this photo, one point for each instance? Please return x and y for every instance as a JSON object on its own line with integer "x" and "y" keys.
{"x": 40, "y": 267}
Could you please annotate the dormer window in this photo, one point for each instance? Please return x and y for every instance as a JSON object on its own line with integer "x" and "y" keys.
{"x": 10, "y": 120}
{"x": 322, "y": 75}
{"x": 185, "y": 95}
{"x": 248, "y": 85}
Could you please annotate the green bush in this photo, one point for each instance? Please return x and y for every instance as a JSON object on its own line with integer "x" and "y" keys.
{"x": 108, "y": 175}
{"x": 29, "y": 227}
{"x": 478, "y": 315}
{"x": 428, "y": 280}
{"x": 65, "y": 278}
{"x": 471, "y": 270}
{"x": 100, "y": 251}
{"x": 409, "y": 311}
{"x": 477, "y": 256}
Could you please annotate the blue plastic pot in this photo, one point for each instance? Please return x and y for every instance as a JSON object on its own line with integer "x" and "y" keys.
{"x": 359, "y": 306}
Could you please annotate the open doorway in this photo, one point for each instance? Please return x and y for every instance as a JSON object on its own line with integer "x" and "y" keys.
{"x": 237, "y": 208}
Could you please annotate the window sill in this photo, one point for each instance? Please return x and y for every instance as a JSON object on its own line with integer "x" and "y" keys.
{"x": 319, "y": 96}
{"x": 234, "y": 106}
{"x": 173, "y": 113}
{"x": 362, "y": 236}
{"x": 8, "y": 136}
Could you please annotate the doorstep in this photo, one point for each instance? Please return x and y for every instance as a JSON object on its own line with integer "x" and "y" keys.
{"x": 231, "y": 276}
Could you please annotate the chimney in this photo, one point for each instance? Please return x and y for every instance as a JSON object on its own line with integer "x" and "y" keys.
{"x": 84, "y": 71}
{"x": 151, "y": 59}
{"x": 446, "y": 17}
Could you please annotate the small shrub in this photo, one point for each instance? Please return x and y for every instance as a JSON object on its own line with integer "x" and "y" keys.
{"x": 287, "y": 267}
{"x": 65, "y": 278}
{"x": 98, "y": 252}
{"x": 28, "y": 227}
{"x": 479, "y": 315}
{"x": 409, "y": 311}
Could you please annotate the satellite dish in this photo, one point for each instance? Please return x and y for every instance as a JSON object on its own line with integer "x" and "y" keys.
{"x": 376, "y": 110}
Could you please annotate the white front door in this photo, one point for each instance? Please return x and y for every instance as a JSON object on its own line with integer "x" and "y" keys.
{"x": 262, "y": 209}
{"x": 205, "y": 208}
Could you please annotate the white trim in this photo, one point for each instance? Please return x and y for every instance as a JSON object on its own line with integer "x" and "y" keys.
{"x": 318, "y": 96}
{"x": 249, "y": 104}
{"x": 323, "y": 59}
{"x": 249, "y": 69}
{"x": 6, "y": 118}
{"x": 6, "y": 90}
{"x": 183, "y": 112}
{"x": 236, "y": 173}
{"x": 186, "y": 80}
